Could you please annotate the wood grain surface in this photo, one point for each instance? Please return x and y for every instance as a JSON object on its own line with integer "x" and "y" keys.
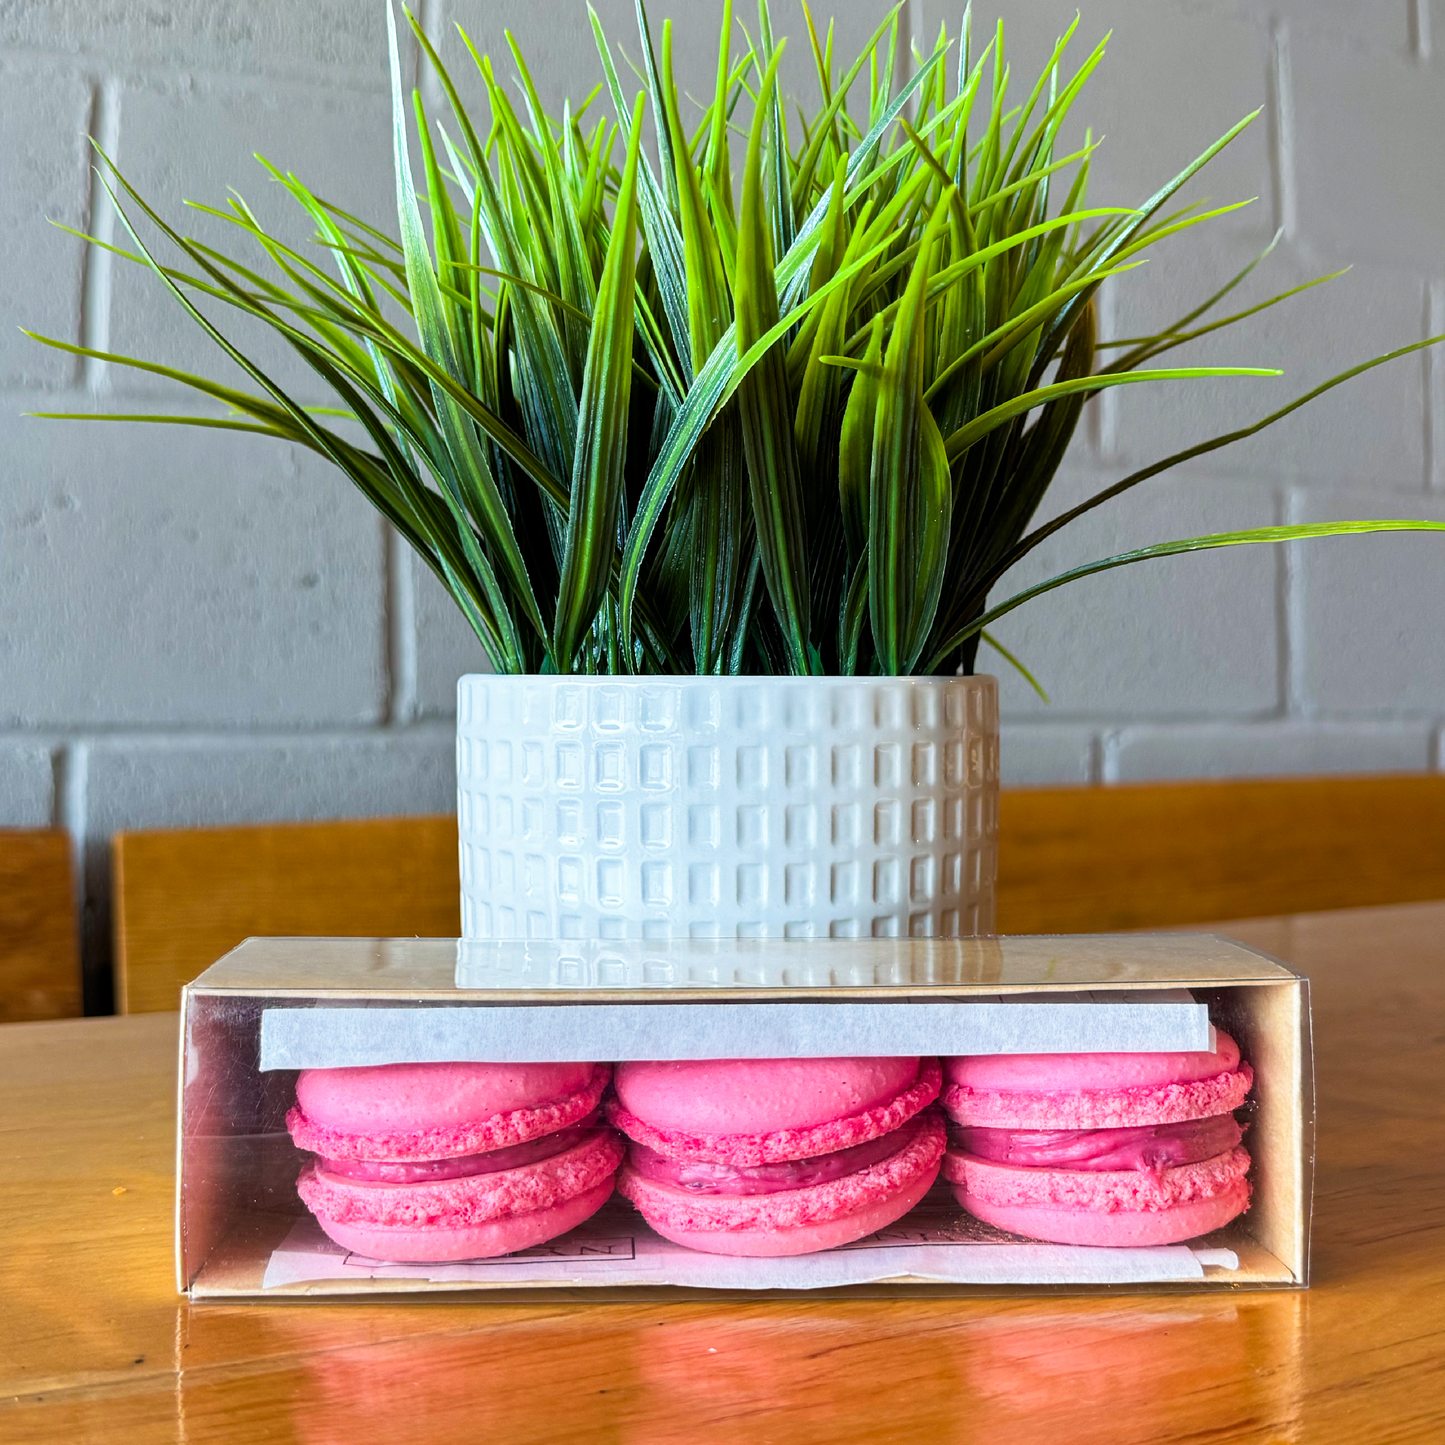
{"x": 39, "y": 956}
{"x": 1071, "y": 860}
{"x": 183, "y": 898}
{"x": 95, "y": 1346}
{"x": 1146, "y": 855}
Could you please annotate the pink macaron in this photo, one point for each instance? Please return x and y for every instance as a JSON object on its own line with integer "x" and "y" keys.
{"x": 777, "y": 1156}
{"x": 433, "y": 1162}
{"x": 1108, "y": 1149}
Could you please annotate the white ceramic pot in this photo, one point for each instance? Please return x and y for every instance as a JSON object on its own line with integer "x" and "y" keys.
{"x": 681, "y": 807}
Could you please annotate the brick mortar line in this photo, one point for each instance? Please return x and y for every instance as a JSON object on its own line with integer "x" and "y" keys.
{"x": 96, "y": 276}
{"x": 1260, "y": 722}
{"x": 1284, "y": 584}
{"x": 1106, "y": 753}
{"x": 1419, "y": 28}
{"x": 1102, "y": 431}
{"x": 1434, "y": 389}
{"x": 401, "y": 635}
{"x": 1383, "y": 727}
{"x": 91, "y": 63}
{"x": 429, "y": 17}
{"x": 1281, "y": 114}
{"x": 71, "y": 766}
{"x": 68, "y": 735}
{"x": 441, "y": 729}
{"x": 1295, "y": 619}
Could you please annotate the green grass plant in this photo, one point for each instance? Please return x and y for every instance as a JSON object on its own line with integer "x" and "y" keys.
{"x": 666, "y": 418}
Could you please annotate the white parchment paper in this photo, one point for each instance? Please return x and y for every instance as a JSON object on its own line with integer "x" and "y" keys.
{"x": 936, "y": 1241}
{"x": 1148, "y": 1021}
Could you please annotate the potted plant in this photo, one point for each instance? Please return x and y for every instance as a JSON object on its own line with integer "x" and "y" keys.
{"x": 724, "y": 471}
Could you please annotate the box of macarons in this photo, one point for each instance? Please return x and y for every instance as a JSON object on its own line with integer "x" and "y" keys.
{"x": 878, "y": 1117}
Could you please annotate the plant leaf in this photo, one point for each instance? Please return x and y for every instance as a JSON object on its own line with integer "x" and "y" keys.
{"x": 767, "y": 423}
{"x": 1014, "y": 663}
{"x": 1298, "y": 533}
{"x": 709, "y": 306}
{"x": 910, "y": 492}
{"x": 480, "y": 488}
{"x": 597, "y": 475}
{"x": 966, "y": 436}
{"x": 1043, "y": 533}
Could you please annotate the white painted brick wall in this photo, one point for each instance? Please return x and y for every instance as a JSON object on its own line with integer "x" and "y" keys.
{"x": 44, "y": 113}
{"x": 195, "y": 628}
{"x": 181, "y": 576}
{"x": 1043, "y": 754}
{"x": 1177, "y": 636}
{"x": 183, "y": 138}
{"x": 1176, "y": 77}
{"x": 180, "y": 780}
{"x": 1269, "y": 749}
{"x": 1370, "y": 310}
{"x": 446, "y": 647}
{"x": 27, "y": 783}
{"x": 331, "y": 41}
{"x": 1369, "y": 611}
{"x": 1383, "y": 25}
{"x": 1369, "y": 181}
{"x": 561, "y": 53}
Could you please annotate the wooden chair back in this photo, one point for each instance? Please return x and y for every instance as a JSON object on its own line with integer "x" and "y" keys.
{"x": 183, "y": 898}
{"x": 1072, "y": 860}
{"x": 39, "y": 950}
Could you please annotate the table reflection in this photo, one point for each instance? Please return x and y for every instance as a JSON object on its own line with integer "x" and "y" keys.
{"x": 1118, "y": 1372}
{"x": 1114, "y": 1370}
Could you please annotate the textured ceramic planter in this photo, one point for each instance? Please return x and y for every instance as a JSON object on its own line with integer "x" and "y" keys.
{"x": 742, "y": 807}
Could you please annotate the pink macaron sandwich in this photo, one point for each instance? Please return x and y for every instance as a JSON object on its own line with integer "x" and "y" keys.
{"x": 430, "y": 1162}
{"x": 1111, "y": 1149}
{"x": 777, "y": 1156}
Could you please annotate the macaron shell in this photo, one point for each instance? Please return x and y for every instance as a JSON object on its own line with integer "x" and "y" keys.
{"x": 667, "y": 1207}
{"x": 1123, "y": 1228}
{"x": 447, "y": 1140}
{"x": 774, "y": 1243}
{"x": 758, "y": 1096}
{"x": 485, "y": 1239}
{"x": 387, "y": 1098}
{"x": 840, "y": 1131}
{"x": 1058, "y": 1073}
{"x": 335, "y": 1199}
{"x": 1107, "y": 1108}
{"x": 1104, "y": 1191}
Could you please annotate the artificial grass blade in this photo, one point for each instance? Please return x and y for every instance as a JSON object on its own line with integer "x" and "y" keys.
{"x": 635, "y": 422}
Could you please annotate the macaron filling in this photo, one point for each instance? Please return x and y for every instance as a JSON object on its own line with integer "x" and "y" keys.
{"x": 1110, "y": 1191}
{"x": 1100, "y": 1149}
{"x": 781, "y": 1145}
{"x": 702, "y": 1176}
{"x": 901, "y": 1177}
{"x": 452, "y": 1160}
{"x": 492, "y": 1161}
{"x": 467, "y": 1200}
{"x": 1153, "y": 1148}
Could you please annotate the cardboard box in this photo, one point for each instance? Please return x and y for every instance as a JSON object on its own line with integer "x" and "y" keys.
{"x": 271, "y": 1005}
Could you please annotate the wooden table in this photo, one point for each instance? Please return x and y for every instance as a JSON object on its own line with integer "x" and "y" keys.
{"x": 95, "y": 1345}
